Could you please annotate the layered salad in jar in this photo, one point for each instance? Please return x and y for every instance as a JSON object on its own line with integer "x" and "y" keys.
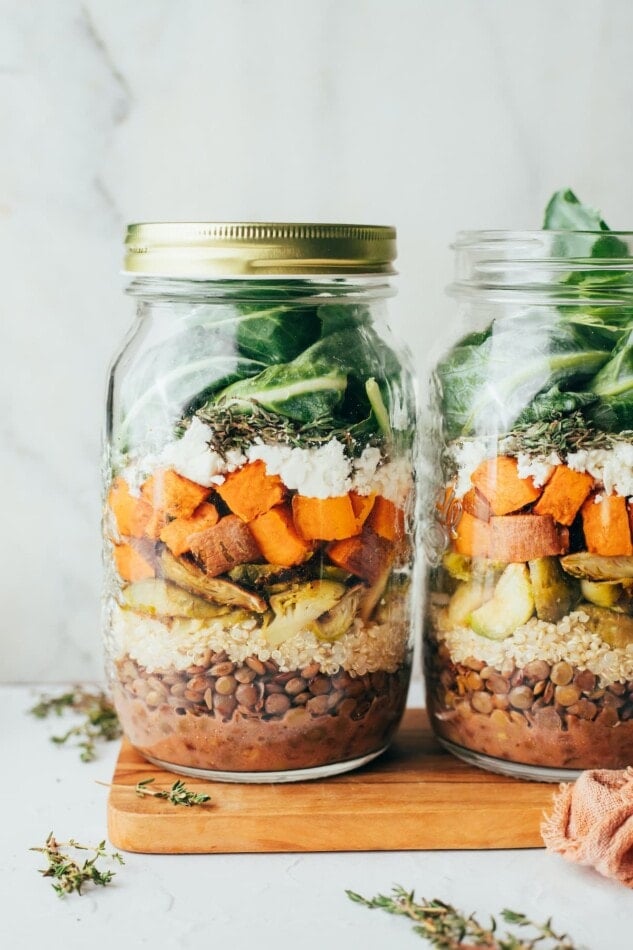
{"x": 529, "y": 621}
{"x": 258, "y": 538}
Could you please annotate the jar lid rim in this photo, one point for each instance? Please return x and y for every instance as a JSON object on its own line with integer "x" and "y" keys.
{"x": 251, "y": 248}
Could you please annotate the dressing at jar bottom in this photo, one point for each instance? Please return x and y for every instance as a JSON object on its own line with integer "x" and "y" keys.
{"x": 271, "y": 722}
{"x": 532, "y": 719}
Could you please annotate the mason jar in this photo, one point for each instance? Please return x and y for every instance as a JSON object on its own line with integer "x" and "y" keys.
{"x": 527, "y": 518}
{"x": 258, "y": 505}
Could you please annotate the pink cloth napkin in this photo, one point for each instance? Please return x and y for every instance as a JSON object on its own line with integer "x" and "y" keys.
{"x": 592, "y": 822}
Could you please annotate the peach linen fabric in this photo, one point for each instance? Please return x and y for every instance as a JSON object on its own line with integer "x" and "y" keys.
{"x": 592, "y": 822}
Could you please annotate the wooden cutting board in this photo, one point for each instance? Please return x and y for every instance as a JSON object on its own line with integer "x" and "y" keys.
{"x": 414, "y": 797}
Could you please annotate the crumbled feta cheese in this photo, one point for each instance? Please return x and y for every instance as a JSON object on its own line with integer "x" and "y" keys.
{"x": 193, "y": 458}
{"x": 538, "y": 469}
{"x": 323, "y": 472}
{"x": 468, "y": 455}
{"x": 394, "y": 481}
{"x": 612, "y": 467}
{"x": 365, "y": 470}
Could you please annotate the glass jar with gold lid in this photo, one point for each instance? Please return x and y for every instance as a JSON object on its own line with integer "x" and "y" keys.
{"x": 258, "y": 501}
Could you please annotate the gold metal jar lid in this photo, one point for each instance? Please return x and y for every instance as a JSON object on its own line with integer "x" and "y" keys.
{"x": 233, "y": 249}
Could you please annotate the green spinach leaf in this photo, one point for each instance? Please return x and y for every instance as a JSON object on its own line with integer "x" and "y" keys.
{"x": 328, "y": 377}
{"x": 614, "y": 387}
{"x": 553, "y": 404}
{"x": 487, "y": 383}
{"x": 275, "y": 334}
{"x": 565, "y": 212}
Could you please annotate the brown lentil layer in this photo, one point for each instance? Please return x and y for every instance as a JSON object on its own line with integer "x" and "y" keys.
{"x": 551, "y": 715}
{"x": 253, "y": 717}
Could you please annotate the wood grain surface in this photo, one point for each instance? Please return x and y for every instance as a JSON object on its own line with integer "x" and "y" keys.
{"x": 414, "y": 797}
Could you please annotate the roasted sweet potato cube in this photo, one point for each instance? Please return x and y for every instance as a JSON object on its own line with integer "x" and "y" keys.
{"x": 176, "y": 533}
{"x": 324, "y": 519}
{"x": 386, "y": 519}
{"x": 366, "y": 555}
{"x": 225, "y": 545}
{"x": 250, "y": 491}
{"x": 498, "y": 481}
{"x": 476, "y": 505}
{"x": 515, "y": 538}
{"x": 131, "y": 513}
{"x": 605, "y": 522}
{"x": 472, "y": 536}
{"x": 564, "y": 494}
{"x": 130, "y": 564}
{"x": 171, "y": 495}
{"x": 362, "y": 506}
{"x": 278, "y": 539}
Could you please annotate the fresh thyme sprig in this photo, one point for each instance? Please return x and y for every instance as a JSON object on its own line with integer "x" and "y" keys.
{"x": 68, "y": 874}
{"x": 100, "y": 720}
{"x": 447, "y": 929}
{"x": 178, "y": 794}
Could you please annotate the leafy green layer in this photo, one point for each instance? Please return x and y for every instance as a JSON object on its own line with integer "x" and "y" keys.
{"x": 309, "y": 364}
{"x": 548, "y": 362}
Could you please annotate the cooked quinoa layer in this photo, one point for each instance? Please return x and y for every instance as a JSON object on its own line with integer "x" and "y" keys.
{"x": 568, "y": 640}
{"x": 178, "y": 644}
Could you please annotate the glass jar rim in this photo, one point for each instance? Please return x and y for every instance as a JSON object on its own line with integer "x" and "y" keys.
{"x": 469, "y": 236}
{"x": 210, "y": 249}
{"x": 544, "y": 266}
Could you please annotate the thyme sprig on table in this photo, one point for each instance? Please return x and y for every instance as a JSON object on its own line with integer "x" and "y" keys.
{"x": 67, "y": 873}
{"x": 100, "y": 721}
{"x": 178, "y": 794}
{"x": 446, "y": 928}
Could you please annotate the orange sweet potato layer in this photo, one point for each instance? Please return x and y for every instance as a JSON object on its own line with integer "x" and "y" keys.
{"x": 510, "y": 538}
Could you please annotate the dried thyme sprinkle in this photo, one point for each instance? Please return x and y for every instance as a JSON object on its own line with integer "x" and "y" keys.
{"x": 562, "y": 434}
{"x": 235, "y": 428}
{"x": 446, "y": 928}
{"x": 178, "y": 794}
{"x": 100, "y": 721}
{"x": 68, "y": 874}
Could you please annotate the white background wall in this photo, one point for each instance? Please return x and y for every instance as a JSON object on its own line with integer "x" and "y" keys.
{"x": 432, "y": 115}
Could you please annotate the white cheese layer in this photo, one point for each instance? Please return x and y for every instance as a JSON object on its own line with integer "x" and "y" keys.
{"x": 325, "y": 471}
{"x": 539, "y": 469}
{"x": 193, "y": 458}
{"x": 318, "y": 473}
{"x": 612, "y": 467}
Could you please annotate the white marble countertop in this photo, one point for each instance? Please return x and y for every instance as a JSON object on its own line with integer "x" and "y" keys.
{"x": 281, "y": 901}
